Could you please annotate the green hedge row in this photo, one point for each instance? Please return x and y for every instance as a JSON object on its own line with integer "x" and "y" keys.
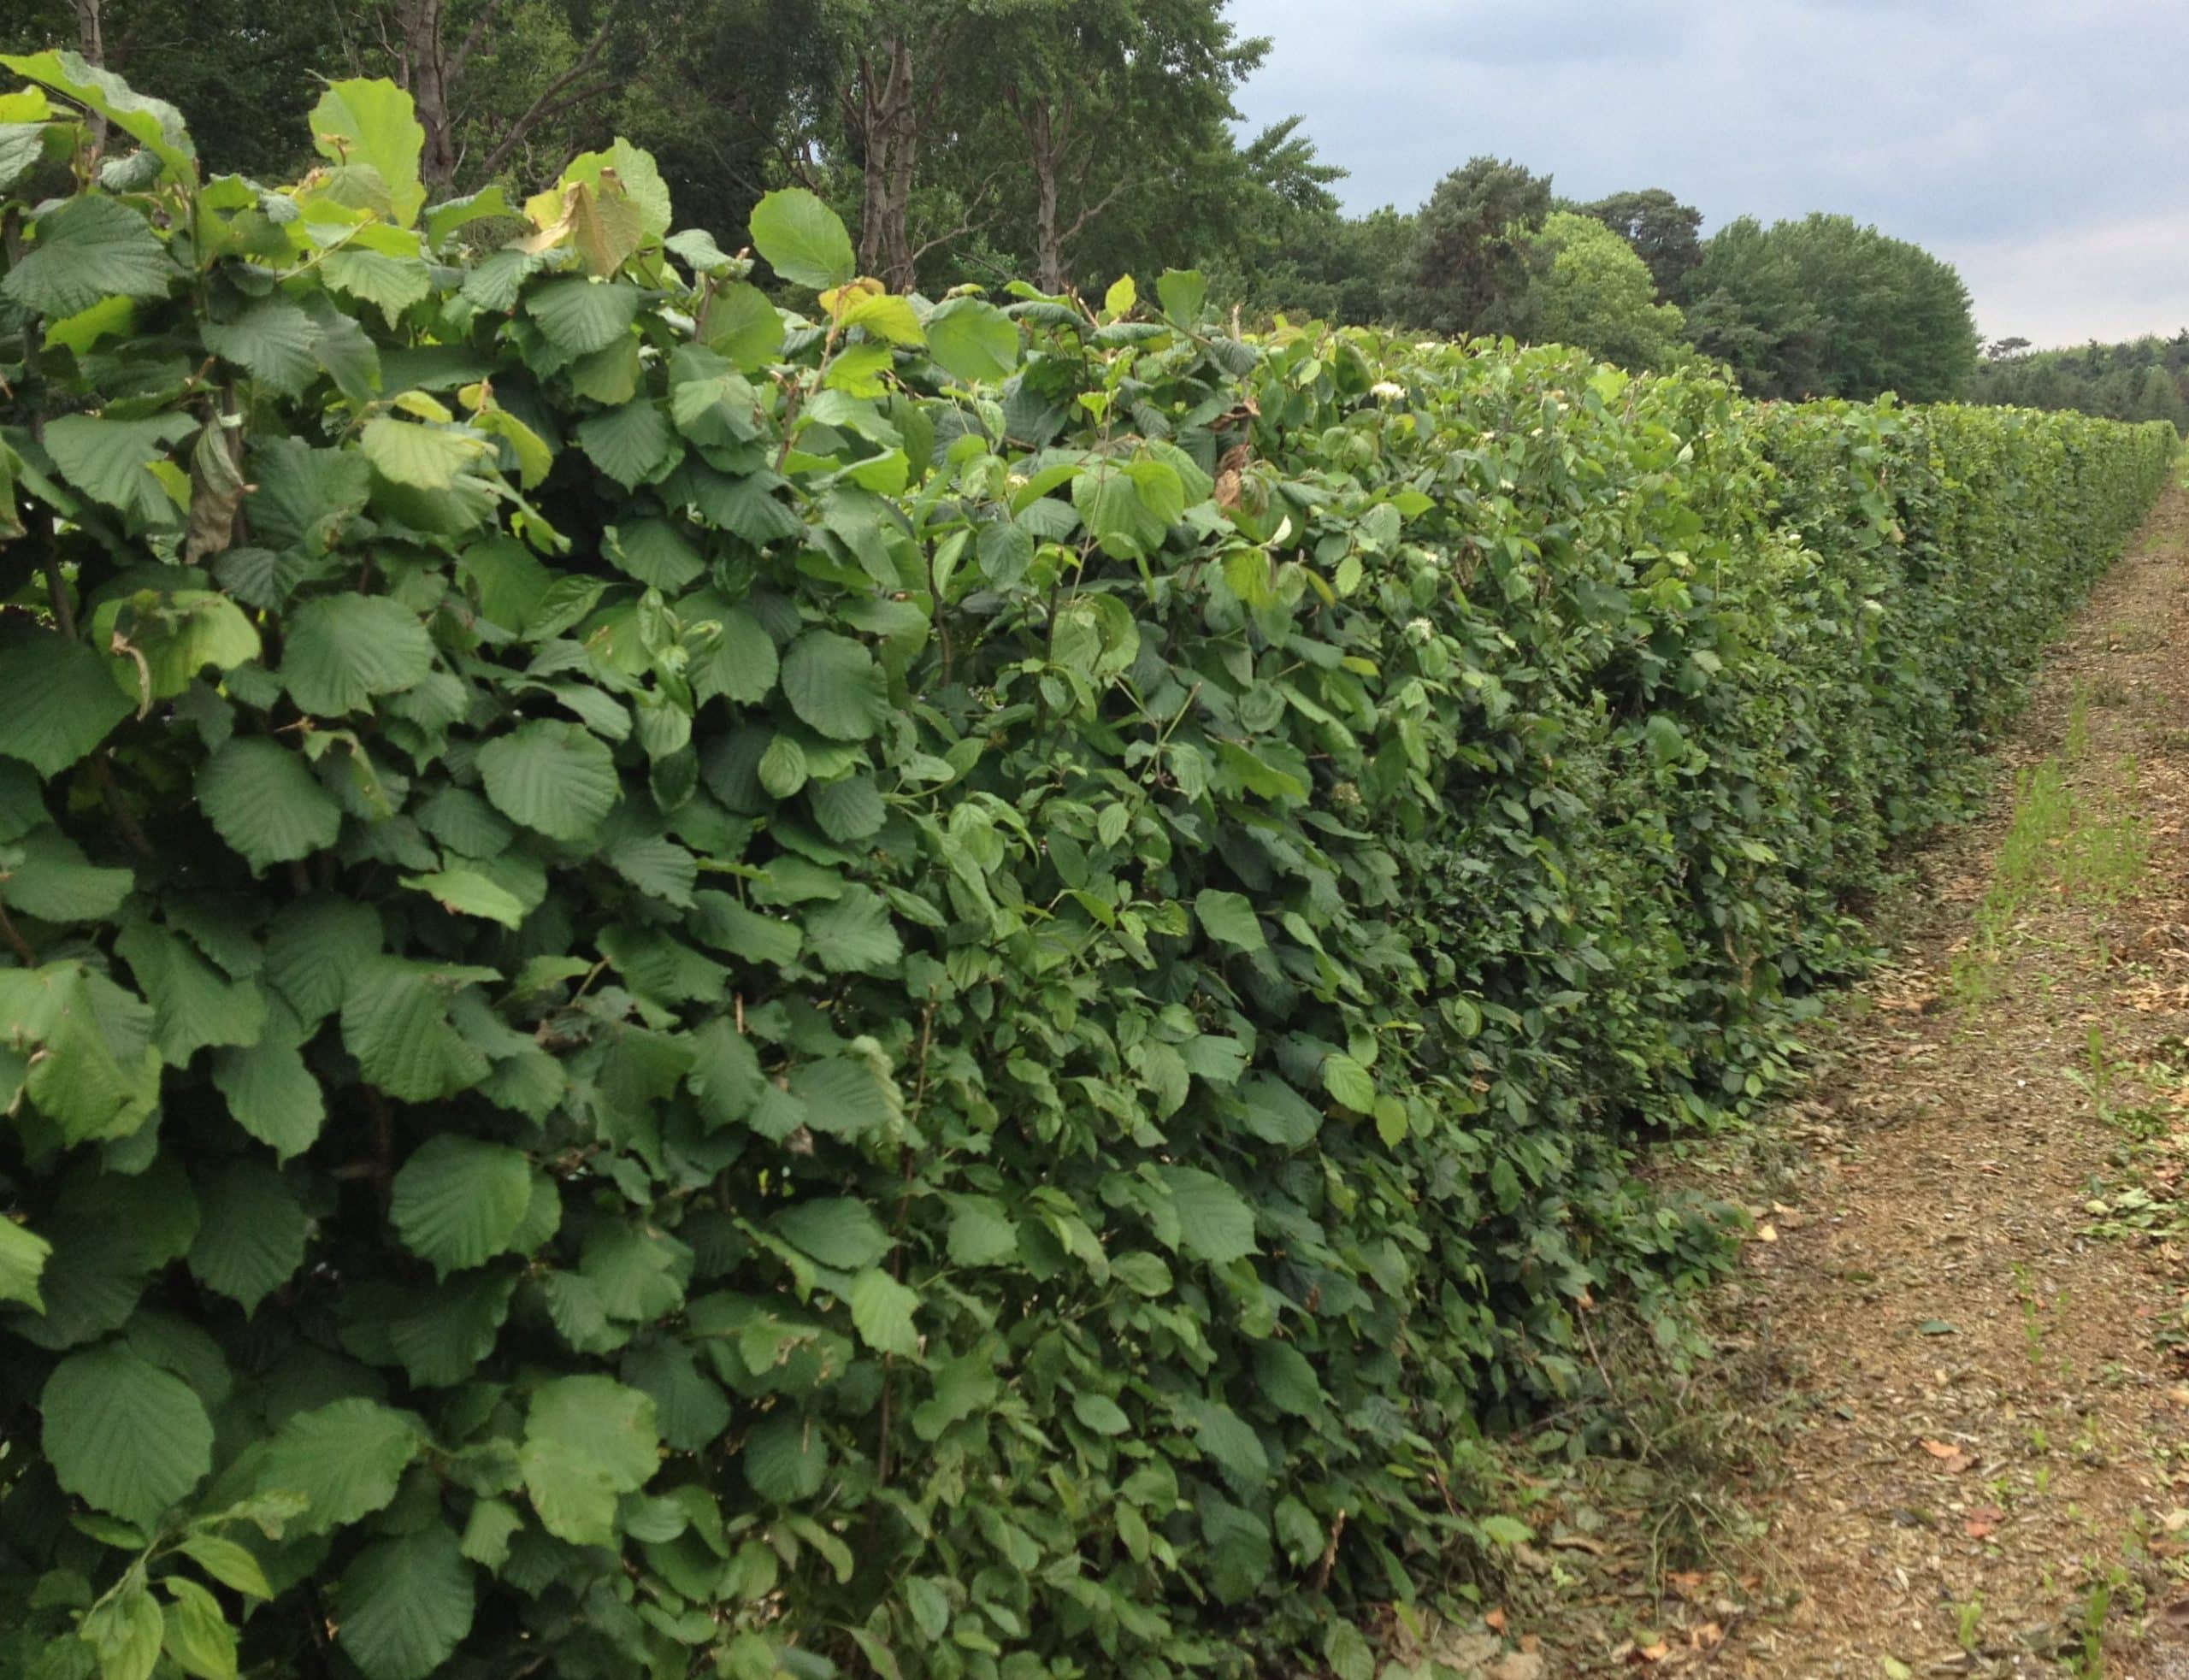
{"x": 945, "y": 988}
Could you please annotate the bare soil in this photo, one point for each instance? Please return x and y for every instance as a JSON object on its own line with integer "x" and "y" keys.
{"x": 1970, "y": 1262}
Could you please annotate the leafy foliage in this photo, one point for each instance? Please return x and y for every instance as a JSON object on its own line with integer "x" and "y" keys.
{"x": 950, "y": 989}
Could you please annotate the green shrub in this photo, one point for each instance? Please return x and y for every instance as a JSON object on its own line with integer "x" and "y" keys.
{"x": 946, "y": 988}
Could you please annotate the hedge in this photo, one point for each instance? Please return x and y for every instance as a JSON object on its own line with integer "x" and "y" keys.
{"x": 946, "y": 989}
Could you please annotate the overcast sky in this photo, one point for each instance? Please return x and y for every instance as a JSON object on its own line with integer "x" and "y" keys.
{"x": 2042, "y": 147}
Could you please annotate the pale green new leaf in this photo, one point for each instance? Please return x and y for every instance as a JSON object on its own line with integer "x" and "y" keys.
{"x": 424, "y": 455}
{"x": 375, "y": 124}
{"x": 468, "y": 893}
{"x": 154, "y": 124}
{"x": 459, "y": 1200}
{"x": 881, "y": 1311}
{"x": 802, "y": 239}
{"x": 123, "y": 1434}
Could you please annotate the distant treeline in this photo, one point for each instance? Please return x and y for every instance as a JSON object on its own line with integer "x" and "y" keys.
{"x": 1068, "y": 141}
{"x": 2146, "y": 379}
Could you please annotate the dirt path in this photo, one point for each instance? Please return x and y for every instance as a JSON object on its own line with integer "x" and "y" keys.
{"x": 1976, "y": 1267}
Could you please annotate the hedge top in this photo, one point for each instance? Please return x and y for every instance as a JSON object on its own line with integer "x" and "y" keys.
{"x": 689, "y": 986}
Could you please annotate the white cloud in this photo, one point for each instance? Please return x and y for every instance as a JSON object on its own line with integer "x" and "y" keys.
{"x": 2035, "y": 145}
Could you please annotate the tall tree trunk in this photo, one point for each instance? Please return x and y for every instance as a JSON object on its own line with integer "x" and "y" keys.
{"x": 1048, "y": 241}
{"x": 91, "y": 34}
{"x": 425, "y": 76}
{"x": 887, "y": 115}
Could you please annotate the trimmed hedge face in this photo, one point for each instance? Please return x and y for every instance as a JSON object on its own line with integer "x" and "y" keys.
{"x": 950, "y": 988}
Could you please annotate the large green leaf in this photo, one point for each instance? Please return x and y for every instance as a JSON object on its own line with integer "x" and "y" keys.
{"x": 404, "y": 1605}
{"x": 459, "y": 1200}
{"x": 579, "y": 315}
{"x": 253, "y": 1235}
{"x": 395, "y": 1020}
{"x": 837, "y": 1231}
{"x": 196, "y": 1005}
{"x": 262, "y": 801}
{"x": 374, "y": 125}
{"x": 47, "y": 875}
{"x": 56, "y": 702}
{"x": 23, "y": 1255}
{"x": 152, "y": 123}
{"x": 631, "y": 444}
{"x": 111, "y": 460}
{"x": 555, "y": 777}
{"x": 834, "y": 685}
{"x": 587, "y": 1440}
{"x": 1214, "y": 1221}
{"x": 273, "y": 340}
{"x": 424, "y": 455}
{"x": 972, "y": 340}
{"x": 89, "y": 248}
{"x": 1228, "y": 919}
{"x": 346, "y": 1459}
{"x": 802, "y": 239}
{"x": 881, "y": 1310}
{"x": 271, "y": 1093}
{"x": 343, "y": 650}
{"x": 125, "y": 1436}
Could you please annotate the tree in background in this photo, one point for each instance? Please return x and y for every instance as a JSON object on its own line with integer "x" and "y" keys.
{"x": 1588, "y": 287}
{"x": 1664, "y": 232}
{"x": 1471, "y": 258}
{"x": 2145, "y": 379}
{"x": 1826, "y": 307}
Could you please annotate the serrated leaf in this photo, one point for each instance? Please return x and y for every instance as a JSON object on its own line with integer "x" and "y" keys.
{"x": 579, "y": 315}
{"x": 46, "y": 874}
{"x": 554, "y": 777}
{"x": 802, "y": 239}
{"x": 395, "y": 1020}
{"x": 837, "y": 1231}
{"x": 23, "y": 1255}
{"x": 56, "y": 702}
{"x": 882, "y": 1313}
{"x": 125, "y": 1630}
{"x": 274, "y": 341}
{"x": 343, "y": 650}
{"x": 265, "y": 804}
{"x": 459, "y": 1200}
{"x": 346, "y": 1459}
{"x": 199, "y": 1636}
{"x": 785, "y": 1458}
{"x": 112, "y": 461}
{"x": 251, "y": 1240}
{"x": 316, "y": 945}
{"x": 123, "y": 1434}
{"x": 587, "y": 1441}
{"x": 1215, "y": 1223}
{"x": 631, "y": 444}
{"x": 89, "y": 247}
{"x": 1349, "y": 1082}
{"x": 404, "y": 1605}
{"x": 743, "y": 325}
{"x": 1228, "y": 919}
{"x": 468, "y": 893}
{"x": 854, "y": 934}
{"x": 845, "y": 1097}
{"x": 153, "y": 123}
{"x": 981, "y": 1233}
{"x": 834, "y": 685}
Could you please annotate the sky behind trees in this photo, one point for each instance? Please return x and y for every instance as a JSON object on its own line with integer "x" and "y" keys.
{"x": 2037, "y": 147}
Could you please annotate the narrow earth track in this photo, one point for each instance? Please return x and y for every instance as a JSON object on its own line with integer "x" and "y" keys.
{"x": 1975, "y": 1269}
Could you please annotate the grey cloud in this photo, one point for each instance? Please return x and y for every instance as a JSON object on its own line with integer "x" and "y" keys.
{"x": 2011, "y": 136}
